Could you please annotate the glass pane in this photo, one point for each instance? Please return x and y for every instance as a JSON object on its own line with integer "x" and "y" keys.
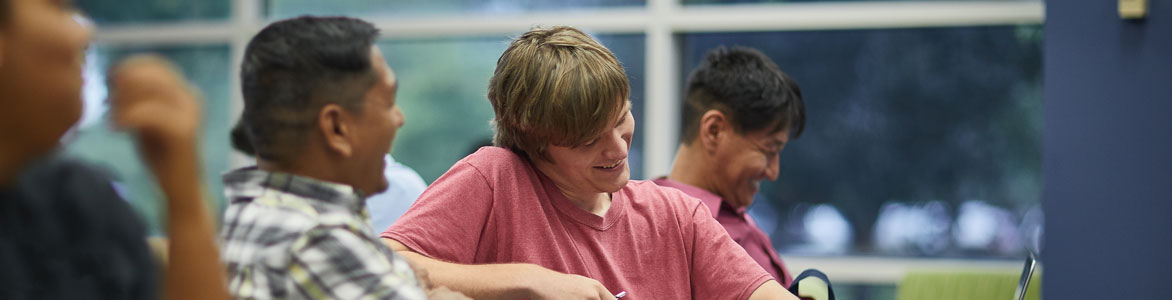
{"x": 280, "y": 9}
{"x": 861, "y": 291}
{"x": 153, "y": 11}
{"x": 720, "y": 2}
{"x": 442, "y": 87}
{"x": 205, "y": 66}
{"x": 919, "y": 141}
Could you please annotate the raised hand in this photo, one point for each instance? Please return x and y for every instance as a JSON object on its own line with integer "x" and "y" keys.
{"x": 152, "y": 100}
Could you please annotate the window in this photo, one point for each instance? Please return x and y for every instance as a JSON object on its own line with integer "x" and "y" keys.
{"x": 94, "y": 140}
{"x": 128, "y": 12}
{"x": 920, "y": 142}
{"x": 923, "y": 134}
{"x": 723, "y": 2}
{"x": 280, "y": 9}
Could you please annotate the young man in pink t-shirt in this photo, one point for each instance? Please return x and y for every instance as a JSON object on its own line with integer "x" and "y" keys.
{"x": 550, "y": 212}
{"x": 740, "y": 110}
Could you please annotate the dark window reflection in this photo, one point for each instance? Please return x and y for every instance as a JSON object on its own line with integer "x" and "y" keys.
{"x": 919, "y": 141}
{"x": 155, "y": 11}
{"x": 279, "y": 9}
{"x": 687, "y": 2}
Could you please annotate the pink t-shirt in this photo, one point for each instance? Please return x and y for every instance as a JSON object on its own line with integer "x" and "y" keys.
{"x": 740, "y": 227}
{"x": 653, "y": 243}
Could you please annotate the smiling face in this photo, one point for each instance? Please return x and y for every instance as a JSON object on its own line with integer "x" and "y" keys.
{"x": 376, "y": 126}
{"x": 743, "y": 161}
{"x": 599, "y": 166}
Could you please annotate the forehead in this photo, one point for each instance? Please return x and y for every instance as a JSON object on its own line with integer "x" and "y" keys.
{"x": 769, "y": 136}
{"x": 380, "y": 65}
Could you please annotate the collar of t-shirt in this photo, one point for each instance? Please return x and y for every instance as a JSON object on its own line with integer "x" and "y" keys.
{"x": 713, "y": 201}
{"x": 618, "y": 206}
{"x": 251, "y": 182}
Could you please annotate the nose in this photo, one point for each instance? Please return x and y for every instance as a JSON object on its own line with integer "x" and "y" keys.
{"x": 399, "y": 118}
{"x": 86, "y": 28}
{"x": 773, "y": 167}
{"x": 616, "y": 146}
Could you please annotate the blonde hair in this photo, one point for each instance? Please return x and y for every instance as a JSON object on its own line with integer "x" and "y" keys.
{"x": 555, "y": 86}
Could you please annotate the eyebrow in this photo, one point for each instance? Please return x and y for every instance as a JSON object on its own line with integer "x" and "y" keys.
{"x": 624, "y": 118}
{"x": 777, "y": 143}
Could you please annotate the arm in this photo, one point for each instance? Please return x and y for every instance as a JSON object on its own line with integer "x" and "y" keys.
{"x": 721, "y": 267}
{"x": 194, "y": 271}
{"x": 771, "y": 290}
{"x": 151, "y": 100}
{"x": 504, "y": 281}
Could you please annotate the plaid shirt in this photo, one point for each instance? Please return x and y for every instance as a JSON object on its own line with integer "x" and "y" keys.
{"x": 292, "y": 237}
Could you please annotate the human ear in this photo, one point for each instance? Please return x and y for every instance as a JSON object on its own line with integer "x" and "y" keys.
{"x": 712, "y": 124}
{"x": 334, "y": 126}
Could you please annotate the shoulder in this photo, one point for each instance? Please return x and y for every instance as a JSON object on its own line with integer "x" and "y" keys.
{"x": 648, "y": 194}
{"x": 495, "y": 163}
{"x": 495, "y": 158}
{"x": 268, "y": 221}
{"x": 339, "y": 238}
{"x": 69, "y": 179}
{"x": 79, "y": 195}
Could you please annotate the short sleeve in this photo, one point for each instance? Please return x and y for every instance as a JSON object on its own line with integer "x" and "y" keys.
{"x": 405, "y": 187}
{"x": 339, "y": 263}
{"x": 447, "y": 221}
{"x": 721, "y": 269}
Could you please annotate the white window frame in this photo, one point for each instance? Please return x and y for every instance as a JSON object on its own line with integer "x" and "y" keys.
{"x": 661, "y": 21}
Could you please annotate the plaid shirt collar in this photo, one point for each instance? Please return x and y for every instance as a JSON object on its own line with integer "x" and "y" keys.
{"x": 251, "y": 182}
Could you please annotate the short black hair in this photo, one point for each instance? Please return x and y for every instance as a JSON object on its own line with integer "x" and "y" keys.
{"x": 294, "y": 67}
{"x": 4, "y": 12}
{"x": 240, "y": 140}
{"x": 748, "y": 87}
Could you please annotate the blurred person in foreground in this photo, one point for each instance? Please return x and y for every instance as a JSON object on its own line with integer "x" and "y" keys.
{"x": 549, "y": 213}
{"x": 64, "y": 232}
{"x": 320, "y": 113}
{"x": 739, "y": 111}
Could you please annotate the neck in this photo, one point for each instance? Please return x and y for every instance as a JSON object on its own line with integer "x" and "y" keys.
{"x": 8, "y": 171}
{"x": 593, "y": 202}
{"x": 305, "y": 166}
{"x": 12, "y": 161}
{"x": 691, "y": 167}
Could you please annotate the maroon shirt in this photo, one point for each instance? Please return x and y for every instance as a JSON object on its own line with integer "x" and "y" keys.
{"x": 741, "y": 227}
{"x": 653, "y": 242}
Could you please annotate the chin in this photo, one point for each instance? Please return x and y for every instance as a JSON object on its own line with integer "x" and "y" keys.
{"x": 616, "y": 187}
{"x": 379, "y": 188}
{"x": 619, "y": 183}
{"x": 746, "y": 203}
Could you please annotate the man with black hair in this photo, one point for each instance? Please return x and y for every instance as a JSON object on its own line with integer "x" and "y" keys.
{"x": 404, "y": 185}
{"x": 739, "y": 112}
{"x": 320, "y": 113}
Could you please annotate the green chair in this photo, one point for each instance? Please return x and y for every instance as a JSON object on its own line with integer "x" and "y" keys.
{"x": 964, "y": 285}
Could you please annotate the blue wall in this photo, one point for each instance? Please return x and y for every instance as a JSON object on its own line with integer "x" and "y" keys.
{"x": 1107, "y": 155}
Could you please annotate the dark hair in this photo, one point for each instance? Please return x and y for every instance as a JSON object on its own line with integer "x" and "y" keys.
{"x": 240, "y": 140}
{"x": 748, "y": 88}
{"x": 294, "y": 67}
{"x": 4, "y": 12}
